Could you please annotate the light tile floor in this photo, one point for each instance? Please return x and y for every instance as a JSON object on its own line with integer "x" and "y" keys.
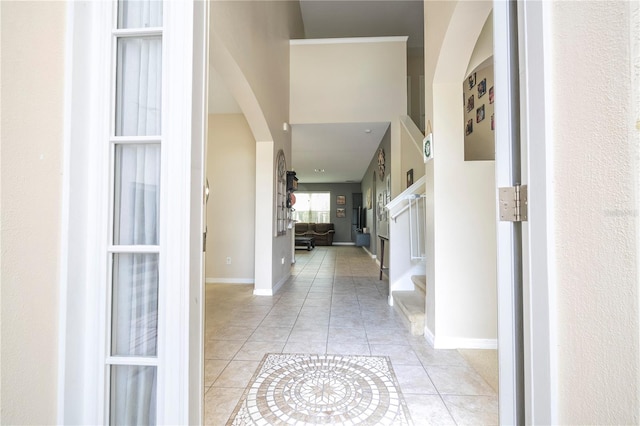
{"x": 334, "y": 303}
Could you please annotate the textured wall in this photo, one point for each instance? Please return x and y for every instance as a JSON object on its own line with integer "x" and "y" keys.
{"x": 596, "y": 210}
{"x": 32, "y": 126}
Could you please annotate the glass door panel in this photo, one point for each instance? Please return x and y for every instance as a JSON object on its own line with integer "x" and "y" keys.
{"x": 137, "y": 196}
{"x": 140, "y": 14}
{"x": 139, "y": 86}
{"x": 133, "y": 395}
{"x": 134, "y": 328}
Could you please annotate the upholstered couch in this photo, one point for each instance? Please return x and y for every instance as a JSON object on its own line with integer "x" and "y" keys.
{"x": 322, "y": 232}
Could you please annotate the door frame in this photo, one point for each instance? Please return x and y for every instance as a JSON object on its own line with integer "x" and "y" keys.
{"x": 526, "y": 283}
{"x": 82, "y": 379}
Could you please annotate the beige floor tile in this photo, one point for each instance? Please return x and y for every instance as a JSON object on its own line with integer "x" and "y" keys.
{"x": 219, "y": 404}
{"x": 428, "y": 410}
{"x": 222, "y": 349}
{"x": 435, "y": 357}
{"x": 270, "y": 334}
{"x": 399, "y": 354}
{"x": 236, "y": 374}
{"x": 343, "y": 348}
{"x": 386, "y": 336}
{"x": 305, "y": 348}
{"x": 414, "y": 379}
{"x": 305, "y": 334}
{"x": 232, "y": 332}
{"x": 254, "y": 351}
{"x": 473, "y": 410}
{"x": 212, "y": 369}
{"x": 348, "y": 335}
{"x": 458, "y": 380}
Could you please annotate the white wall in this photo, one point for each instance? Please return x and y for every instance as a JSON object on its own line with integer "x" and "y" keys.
{"x": 349, "y": 81}
{"x": 461, "y": 242}
{"x": 32, "y": 131}
{"x": 596, "y": 139}
{"x": 231, "y": 170}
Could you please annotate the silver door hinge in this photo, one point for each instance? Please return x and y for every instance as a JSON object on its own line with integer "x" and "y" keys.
{"x": 513, "y": 203}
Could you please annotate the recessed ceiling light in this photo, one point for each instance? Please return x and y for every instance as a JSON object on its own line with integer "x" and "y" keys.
{"x": 319, "y": 170}
{"x": 367, "y": 131}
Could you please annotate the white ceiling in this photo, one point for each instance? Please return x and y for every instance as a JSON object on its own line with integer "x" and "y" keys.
{"x": 343, "y": 150}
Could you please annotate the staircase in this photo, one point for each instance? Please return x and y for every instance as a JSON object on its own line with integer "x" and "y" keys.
{"x": 411, "y": 304}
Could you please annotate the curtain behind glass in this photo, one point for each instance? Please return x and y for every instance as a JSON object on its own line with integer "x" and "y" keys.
{"x": 139, "y": 86}
{"x": 138, "y": 112}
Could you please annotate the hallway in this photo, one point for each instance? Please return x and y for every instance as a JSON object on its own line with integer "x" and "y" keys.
{"x": 334, "y": 303}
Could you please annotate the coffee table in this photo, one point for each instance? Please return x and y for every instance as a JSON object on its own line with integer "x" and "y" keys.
{"x": 308, "y": 242}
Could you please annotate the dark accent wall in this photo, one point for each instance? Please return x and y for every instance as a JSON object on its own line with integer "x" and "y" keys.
{"x": 342, "y": 224}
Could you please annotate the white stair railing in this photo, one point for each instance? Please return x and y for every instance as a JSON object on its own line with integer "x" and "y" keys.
{"x": 417, "y": 204}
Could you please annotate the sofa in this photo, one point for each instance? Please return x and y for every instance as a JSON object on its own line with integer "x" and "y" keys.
{"x": 322, "y": 232}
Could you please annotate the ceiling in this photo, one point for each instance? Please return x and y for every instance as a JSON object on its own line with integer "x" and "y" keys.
{"x": 343, "y": 150}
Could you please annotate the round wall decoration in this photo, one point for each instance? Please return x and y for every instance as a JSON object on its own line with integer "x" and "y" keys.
{"x": 381, "y": 163}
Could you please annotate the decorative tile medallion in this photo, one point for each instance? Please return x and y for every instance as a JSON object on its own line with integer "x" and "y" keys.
{"x": 303, "y": 389}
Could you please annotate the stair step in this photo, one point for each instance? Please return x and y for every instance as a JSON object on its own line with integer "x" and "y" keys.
{"x": 420, "y": 281}
{"x": 411, "y": 306}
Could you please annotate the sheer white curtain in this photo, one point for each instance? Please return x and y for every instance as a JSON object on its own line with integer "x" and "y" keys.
{"x": 136, "y": 215}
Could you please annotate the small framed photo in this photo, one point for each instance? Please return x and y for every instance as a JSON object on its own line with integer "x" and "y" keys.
{"x": 493, "y": 123}
{"x": 469, "y": 128}
{"x": 409, "y": 178}
{"x": 491, "y": 94}
{"x": 341, "y": 200}
{"x": 482, "y": 88}
{"x": 480, "y": 114}
{"x": 470, "y": 103}
{"x": 472, "y": 80}
{"x": 341, "y": 212}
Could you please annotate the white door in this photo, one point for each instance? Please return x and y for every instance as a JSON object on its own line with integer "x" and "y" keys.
{"x": 131, "y": 346}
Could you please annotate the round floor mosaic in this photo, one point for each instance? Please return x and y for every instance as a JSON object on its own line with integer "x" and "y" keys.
{"x": 322, "y": 390}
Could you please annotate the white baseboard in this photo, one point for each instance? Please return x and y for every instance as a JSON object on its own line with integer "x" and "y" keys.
{"x": 230, "y": 281}
{"x": 458, "y": 342}
{"x": 280, "y": 283}
{"x": 429, "y": 336}
{"x": 274, "y": 289}
{"x": 343, "y": 244}
{"x": 373, "y": 256}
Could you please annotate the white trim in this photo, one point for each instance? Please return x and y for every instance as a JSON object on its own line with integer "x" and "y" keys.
{"x": 428, "y": 335}
{"x": 64, "y": 215}
{"x": 539, "y": 282}
{"x": 137, "y": 32}
{"x": 372, "y": 256}
{"x": 464, "y": 343}
{"x": 344, "y": 244}
{"x": 349, "y": 40}
{"x": 274, "y": 289}
{"x": 508, "y": 326}
{"x": 230, "y": 281}
{"x": 458, "y": 342}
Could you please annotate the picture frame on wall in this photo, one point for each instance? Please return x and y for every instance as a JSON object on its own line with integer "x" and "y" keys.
{"x": 409, "y": 178}
{"x": 493, "y": 123}
{"x": 491, "y": 94}
{"x": 480, "y": 114}
{"x": 341, "y": 200}
{"x": 472, "y": 80}
{"x": 469, "y": 127}
{"x": 482, "y": 88}
{"x": 470, "y": 103}
{"x": 341, "y": 212}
